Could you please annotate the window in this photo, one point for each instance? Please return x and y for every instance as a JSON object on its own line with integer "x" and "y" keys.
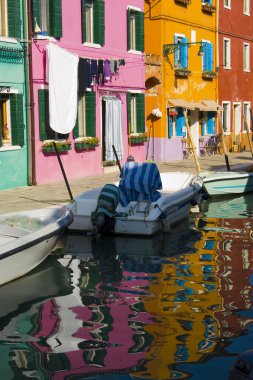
{"x": 227, "y": 4}
{"x": 226, "y": 116}
{"x": 45, "y": 131}
{"x": 47, "y": 17}
{"x": 207, "y": 62}
{"x": 10, "y": 18}
{"x": 93, "y": 21}
{"x": 208, "y": 123}
{"x": 181, "y": 54}
{"x": 136, "y": 113}
{"x": 135, "y": 30}
{"x": 11, "y": 120}
{"x": 246, "y": 115}
{"x": 246, "y": 55}
{"x": 226, "y": 53}
{"x": 246, "y": 7}
{"x": 86, "y": 119}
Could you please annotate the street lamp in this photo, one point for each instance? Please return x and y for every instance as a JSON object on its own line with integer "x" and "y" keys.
{"x": 171, "y": 48}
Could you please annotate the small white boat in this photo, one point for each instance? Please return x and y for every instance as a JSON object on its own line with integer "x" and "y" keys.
{"x": 225, "y": 183}
{"x": 27, "y": 238}
{"x": 144, "y": 202}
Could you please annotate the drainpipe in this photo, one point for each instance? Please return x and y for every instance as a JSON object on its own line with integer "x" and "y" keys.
{"x": 32, "y": 168}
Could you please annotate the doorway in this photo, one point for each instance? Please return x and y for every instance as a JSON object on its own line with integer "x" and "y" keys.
{"x": 111, "y": 130}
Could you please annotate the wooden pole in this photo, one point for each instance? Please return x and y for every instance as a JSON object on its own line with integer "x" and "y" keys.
{"x": 191, "y": 141}
{"x": 63, "y": 171}
{"x": 249, "y": 137}
{"x": 117, "y": 158}
{"x": 223, "y": 141}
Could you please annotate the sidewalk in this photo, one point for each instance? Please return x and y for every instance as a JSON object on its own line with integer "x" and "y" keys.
{"x": 53, "y": 194}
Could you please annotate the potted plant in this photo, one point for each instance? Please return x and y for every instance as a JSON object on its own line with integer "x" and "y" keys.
{"x": 137, "y": 138}
{"x": 86, "y": 143}
{"x": 62, "y": 146}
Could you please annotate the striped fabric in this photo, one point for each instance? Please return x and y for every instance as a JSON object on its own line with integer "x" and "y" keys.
{"x": 139, "y": 181}
{"x": 107, "y": 202}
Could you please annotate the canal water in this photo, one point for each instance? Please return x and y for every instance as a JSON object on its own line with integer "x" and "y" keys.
{"x": 174, "y": 306}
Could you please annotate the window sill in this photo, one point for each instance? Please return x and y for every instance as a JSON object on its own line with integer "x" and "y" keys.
{"x": 246, "y": 70}
{"x": 8, "y": 39}
{"x": 9, "y": 147}
{"x": 135, "y": 52}
{"x": 92, "y": 45}
{"x": 208, "y": 75}
{"x": 227, "y": 67}
{"x": 41, "y": 37}
{"x": 183, "y": 2}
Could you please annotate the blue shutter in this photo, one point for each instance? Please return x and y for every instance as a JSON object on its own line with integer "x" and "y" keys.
{"x": 205, "y": 56}
{"x": 170, "y": 128}
{"x": 180, "y": 122}
{"x": 184, "y": 54}
{"x": 210, "y": 123}
{"x": 210, "y": 57}
{"x": 176, "y": 53}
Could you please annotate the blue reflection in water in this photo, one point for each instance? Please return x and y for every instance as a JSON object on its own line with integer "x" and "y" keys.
{"x": 171, "y": 307}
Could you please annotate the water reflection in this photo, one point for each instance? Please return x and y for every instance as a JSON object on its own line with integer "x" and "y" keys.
{"x": 117, "y": 307}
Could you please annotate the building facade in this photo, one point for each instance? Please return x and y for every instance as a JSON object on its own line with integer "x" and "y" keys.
{"x": 14, "y": 134}
{"x": 235, "y": 73}
{"x": 181, "y": 49}
{"x": 107, "y": 37}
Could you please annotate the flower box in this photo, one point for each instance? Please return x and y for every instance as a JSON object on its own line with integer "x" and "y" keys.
{"x": 183, "y": 2}
{"x": 182, "y": 72}
{"x": 209, "y": 74}
{"x": 84, "y": 146}
{"x": 206, "y": 7}
{"x": 60, "y": 148}
{"x": 138, "y": 140}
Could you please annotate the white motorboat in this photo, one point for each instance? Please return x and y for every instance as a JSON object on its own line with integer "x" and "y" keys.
{"x": 225, "y": 183}
{"x": 27, "y": 238}
{"x": 144, "y": 202}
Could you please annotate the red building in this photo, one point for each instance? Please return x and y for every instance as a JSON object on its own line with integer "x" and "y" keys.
{"x": 235, "y": 37}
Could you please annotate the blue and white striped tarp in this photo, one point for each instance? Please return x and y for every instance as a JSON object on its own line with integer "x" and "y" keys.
{"x": 139, "y": 181}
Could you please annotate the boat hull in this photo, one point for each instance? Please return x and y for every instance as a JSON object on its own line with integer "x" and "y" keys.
{"x": 27, "y": 238}
{"x": 225, "y": 183}
{"x": 143, "y": 218}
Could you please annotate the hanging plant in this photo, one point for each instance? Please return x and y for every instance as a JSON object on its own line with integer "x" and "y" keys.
{"x": 62, "y": 146}
{"x": 137, "y": 138}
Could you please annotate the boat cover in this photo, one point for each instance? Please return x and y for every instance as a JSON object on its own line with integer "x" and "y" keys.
{"x": 107, "y": 202}
{"x": 139, "y": 182}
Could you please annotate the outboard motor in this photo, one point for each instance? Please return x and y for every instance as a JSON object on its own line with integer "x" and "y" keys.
{"x": 103, "y": 218}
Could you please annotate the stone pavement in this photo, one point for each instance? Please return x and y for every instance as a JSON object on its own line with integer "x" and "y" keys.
{"x": 53, "y": 194}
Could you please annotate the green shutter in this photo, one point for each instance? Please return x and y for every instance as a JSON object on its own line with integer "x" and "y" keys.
{"x": 1, "y": 121}
{"x": 140, "y": 112}
{"x": 35, "y": 13}
{"x": 99, "y": 21}
{"x": 129, "y": 113}
{"x": 14, "y": 18}
{"x": 76, "y": 127}
{"x": 17, "y": 120}
{"x": 90, "y": 102}
{"x": 43, "y": 99}
{"x": 139, "y": 31}
{"x": 55, "y": 18}
{"x": 83, "y": 19}
{"x": 128, "y": 29}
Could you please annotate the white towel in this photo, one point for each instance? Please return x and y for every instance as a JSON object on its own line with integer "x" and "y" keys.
{"x": 62, "y": 78}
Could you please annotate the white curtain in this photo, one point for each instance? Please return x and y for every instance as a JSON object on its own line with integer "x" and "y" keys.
{"x": 113, "y": 128}
{"x": 62, "y": 79}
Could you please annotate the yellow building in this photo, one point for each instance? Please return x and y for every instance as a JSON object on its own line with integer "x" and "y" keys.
{"x": 181, "y": 55}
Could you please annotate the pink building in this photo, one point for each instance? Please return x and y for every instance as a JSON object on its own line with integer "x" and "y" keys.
{"x": 107, "y": 38}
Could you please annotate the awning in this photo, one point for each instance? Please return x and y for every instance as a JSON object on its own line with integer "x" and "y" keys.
{"x": 180, "y": 103}
{"x": 210, "y": 105}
